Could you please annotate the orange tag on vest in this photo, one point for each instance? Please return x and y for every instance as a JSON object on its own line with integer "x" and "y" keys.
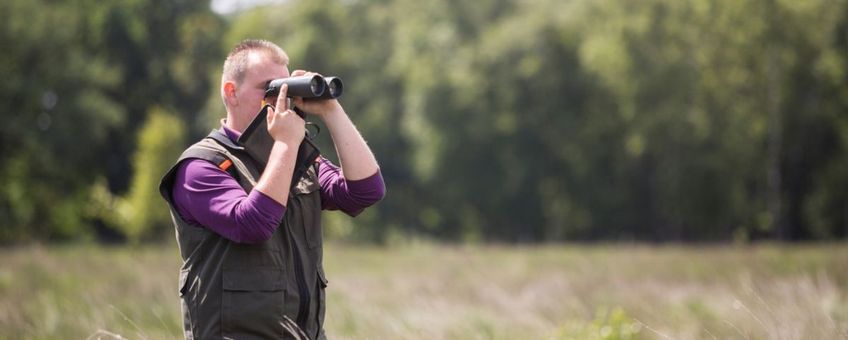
{"x": 225, "y": 165}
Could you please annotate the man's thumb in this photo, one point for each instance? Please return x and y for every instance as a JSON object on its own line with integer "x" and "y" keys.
{"x": 269, "y": 116}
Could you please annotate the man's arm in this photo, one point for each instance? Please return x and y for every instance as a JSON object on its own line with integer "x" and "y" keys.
{"x": 356, "y": 158}
{"x": 351, "y": 197}
{"x": 288, "y": 130}
{"x": 358, "y": 184}
{"x": 206, "y": 195}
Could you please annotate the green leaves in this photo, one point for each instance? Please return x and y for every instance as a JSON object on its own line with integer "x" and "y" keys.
{"x": 493, "y": 120}
{"x": 143, "y": 213}
{"x": 544, "y": 120}
{"x": 80, "y": 77}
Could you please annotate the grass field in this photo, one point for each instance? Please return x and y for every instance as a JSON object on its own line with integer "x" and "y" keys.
{"x": 427, "y": 291}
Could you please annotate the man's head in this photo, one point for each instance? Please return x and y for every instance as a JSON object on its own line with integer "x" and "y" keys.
{"x": 247, "y": 70}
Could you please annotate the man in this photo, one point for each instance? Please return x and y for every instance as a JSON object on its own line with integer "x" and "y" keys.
{"x": 251, "y": 241}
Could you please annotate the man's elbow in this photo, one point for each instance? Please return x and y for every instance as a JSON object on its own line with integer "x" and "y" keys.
{"x": 379, "y": 194}
{"x": 370, "y": 198}
{"x": 365, "y": 200}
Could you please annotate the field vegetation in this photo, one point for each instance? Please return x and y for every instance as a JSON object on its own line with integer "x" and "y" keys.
{"x": 429, "y": 291}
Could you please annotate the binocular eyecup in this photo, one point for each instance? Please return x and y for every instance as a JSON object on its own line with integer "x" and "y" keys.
{"x": 307, "y": 87}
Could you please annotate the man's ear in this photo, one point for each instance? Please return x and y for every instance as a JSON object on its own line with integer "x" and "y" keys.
{"x": 230, "y": 93}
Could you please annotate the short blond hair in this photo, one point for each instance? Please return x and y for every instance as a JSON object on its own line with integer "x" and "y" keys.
{"x": 237, "y": 62}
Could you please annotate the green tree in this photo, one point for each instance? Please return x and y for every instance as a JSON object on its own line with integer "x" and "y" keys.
{"x": 605, "y": 119}
{"x": 143, "y": 214}
{"x": 81, "y": 77}
{"x": 56, "y": 118}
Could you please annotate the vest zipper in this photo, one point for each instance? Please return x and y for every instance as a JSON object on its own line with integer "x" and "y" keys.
{"x": 303, "y": 309}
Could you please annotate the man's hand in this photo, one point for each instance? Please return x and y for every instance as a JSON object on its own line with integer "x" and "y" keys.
{"x": 320, "y": 108}
{"x": 288, "y": 130}
{"x": 284, "y": 125}
{"x": 356, "y": 158}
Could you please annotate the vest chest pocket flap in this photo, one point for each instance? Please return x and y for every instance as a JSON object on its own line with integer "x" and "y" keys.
{"x": 306, "y": 193}
{"x": 183, "y": 283}
{"x": 252, "y": 302}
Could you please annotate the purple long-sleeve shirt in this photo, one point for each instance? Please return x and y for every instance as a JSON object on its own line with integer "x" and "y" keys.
{"x": 207, "y": 196}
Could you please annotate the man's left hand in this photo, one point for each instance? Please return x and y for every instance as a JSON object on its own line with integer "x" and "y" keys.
{"x": 320, "y": 108}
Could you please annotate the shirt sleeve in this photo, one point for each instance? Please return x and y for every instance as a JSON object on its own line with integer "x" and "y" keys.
{"x": 207, "y": 196}
{"x": 351, "y": 197}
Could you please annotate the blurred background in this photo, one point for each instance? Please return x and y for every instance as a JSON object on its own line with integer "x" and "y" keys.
{"x": 508, "y": 121}
{"x": 503, "y": 128}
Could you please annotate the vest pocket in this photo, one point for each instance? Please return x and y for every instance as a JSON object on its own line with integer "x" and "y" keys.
{"x": 322, "y": 299}
{"x": 186, "y": 306}
{"x": 308, "y": 199}
{"x": 307, "y": 184}
{"x": 183, "y": 281}
{"x": 252, "y": 302}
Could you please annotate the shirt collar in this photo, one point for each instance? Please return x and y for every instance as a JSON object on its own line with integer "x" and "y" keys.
{"x": 233, "y": 135}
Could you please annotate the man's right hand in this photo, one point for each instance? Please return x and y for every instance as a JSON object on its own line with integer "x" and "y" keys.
{"x": 284, "y": 125}
{"x": 288, "y": 130}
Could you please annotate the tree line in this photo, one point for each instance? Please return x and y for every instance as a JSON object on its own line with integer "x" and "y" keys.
{"x": 493, "y": 120}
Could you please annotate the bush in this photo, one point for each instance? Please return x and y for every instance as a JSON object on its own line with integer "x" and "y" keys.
{"x": 143, "y": 214}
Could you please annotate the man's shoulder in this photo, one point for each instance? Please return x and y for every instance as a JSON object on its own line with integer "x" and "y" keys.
{"x": 203, "y": 158}
{"x": 191, "y": 167}
{"x": 206, "y": 149}
{"x": 197, "y": 162}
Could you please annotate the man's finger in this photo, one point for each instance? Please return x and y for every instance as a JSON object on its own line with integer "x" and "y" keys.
{"x": 269, "y": 115}
{"x": 282, "y": 100}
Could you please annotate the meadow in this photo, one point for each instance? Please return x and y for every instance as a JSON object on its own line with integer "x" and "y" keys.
{"x": 431, "y": 291}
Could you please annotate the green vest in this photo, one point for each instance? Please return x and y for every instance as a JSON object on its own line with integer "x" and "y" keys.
{"x": 271, "y": 290}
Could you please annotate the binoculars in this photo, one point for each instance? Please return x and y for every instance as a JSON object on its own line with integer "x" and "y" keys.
{"x": 307, "y": 87}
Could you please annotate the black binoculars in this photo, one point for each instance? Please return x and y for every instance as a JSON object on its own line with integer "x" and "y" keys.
{"x": 307, "y": 87}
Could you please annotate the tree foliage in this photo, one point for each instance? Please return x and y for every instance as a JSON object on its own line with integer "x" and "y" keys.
{"x": 546, "y": 120}
{"x": 143, "y": 214}
{"x": 80, "y": 78}
{"x": 493, "y": 120}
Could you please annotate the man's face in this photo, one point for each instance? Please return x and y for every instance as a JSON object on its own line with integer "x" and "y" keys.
{"x": 251, "y": 91}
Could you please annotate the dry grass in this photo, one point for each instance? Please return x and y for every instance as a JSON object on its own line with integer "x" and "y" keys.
{"x": 426, "y": 291}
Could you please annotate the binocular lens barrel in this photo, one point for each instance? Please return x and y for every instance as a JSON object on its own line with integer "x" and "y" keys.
{"x": 316, "y": 86}
{"x": 334, "y": 88}
{"x": 302, "y": 86}
{"x": 307, "y": 87}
